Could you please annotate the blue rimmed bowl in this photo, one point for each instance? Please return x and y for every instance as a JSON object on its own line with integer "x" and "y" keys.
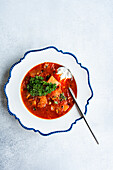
{"x": 17, "y": 73}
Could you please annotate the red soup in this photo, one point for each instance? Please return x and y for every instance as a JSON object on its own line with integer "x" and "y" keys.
{"x": 44, "y": 94}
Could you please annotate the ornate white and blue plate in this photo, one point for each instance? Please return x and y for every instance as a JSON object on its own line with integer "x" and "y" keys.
{"x": 17, "y": 73}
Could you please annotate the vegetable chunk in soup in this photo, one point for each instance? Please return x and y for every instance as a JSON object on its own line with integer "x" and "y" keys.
{"x": 44, "y": 94}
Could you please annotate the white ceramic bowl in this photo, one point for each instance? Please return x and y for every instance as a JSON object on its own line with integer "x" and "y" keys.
{"x": 19, "y": 70}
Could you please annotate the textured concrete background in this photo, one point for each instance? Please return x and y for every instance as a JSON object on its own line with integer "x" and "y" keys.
{"x": 84, "y": 28}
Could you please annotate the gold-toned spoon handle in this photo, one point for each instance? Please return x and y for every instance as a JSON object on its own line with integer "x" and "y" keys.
{"x": 82, "y": 115}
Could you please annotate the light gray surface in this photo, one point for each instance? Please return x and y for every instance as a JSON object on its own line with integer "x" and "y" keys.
{"x": 84, "y": 28}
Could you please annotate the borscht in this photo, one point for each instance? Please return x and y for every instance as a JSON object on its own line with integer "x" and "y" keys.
{"x": 44, "y": 94}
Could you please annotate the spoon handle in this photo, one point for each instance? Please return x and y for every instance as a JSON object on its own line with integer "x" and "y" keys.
{"x": 82, "y": 115}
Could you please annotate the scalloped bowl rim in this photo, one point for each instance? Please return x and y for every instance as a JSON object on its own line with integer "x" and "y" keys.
{"x": 60, "y": 51}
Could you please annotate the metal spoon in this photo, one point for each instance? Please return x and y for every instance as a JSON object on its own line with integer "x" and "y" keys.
{"x": 64, "y": 74}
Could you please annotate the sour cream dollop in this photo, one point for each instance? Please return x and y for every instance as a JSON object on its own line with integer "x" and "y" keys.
{"x": 64, "y": 73}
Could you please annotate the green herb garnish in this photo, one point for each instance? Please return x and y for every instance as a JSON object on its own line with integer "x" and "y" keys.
{"x": 62, "y": 97}
{"x": 26, "y": 78}
{"x": 55, "y": 102}
{"x": 38, "y": 87}
{"x": 47, "y": 77}
{"x": 34, "y": 108}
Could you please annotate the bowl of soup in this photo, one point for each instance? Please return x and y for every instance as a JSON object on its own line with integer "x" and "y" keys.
{"x": 39, "y": 99}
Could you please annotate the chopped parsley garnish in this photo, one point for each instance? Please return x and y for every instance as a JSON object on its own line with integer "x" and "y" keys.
{"x": 26, "y": 78}
{"x": 62, "y": 97}
{"x": 34, "y": 108}
{"x": 55, "y": 102}
{"x": 48, "y": 76}
{"x": 38, "y": 87}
